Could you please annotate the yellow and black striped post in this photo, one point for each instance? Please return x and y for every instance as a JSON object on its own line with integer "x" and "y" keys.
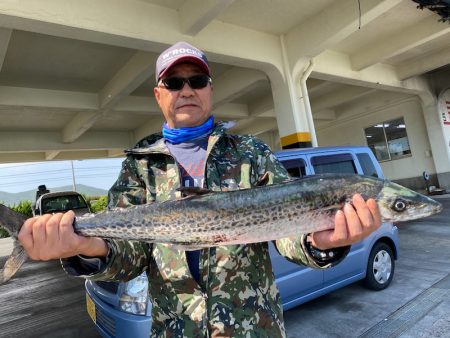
{"x": 296, "y": 140}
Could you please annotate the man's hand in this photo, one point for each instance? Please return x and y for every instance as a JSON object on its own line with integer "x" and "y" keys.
{"x": 352, "y": 224}
{"x": 52, "y": 236}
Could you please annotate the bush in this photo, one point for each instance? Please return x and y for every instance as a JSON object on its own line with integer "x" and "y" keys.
{"x": 24, "y": 207}
{"x": 3, "y": 233}
{"x": 98, "y": 203}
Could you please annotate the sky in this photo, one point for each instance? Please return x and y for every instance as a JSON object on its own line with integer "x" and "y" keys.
{"x": 18, "y": 177}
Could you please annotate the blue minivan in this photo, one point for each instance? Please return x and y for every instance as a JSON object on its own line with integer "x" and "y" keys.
{"x": 124, "y": 310}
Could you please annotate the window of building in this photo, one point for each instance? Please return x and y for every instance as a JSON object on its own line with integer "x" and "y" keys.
{"x": 388, "y": 140}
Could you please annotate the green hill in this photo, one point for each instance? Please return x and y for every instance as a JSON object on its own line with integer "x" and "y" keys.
{"x": 15, "y": 198}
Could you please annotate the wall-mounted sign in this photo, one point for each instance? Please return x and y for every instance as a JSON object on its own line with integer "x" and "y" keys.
{"x": 446, "y": 113}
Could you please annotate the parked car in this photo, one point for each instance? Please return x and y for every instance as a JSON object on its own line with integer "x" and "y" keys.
{"x": 51, "y": 202}
{"x": 123, "y": 310}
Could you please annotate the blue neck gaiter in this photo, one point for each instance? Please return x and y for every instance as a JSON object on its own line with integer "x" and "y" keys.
{"x": 179, "y": 135}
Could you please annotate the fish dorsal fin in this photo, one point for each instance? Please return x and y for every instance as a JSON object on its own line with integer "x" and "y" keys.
{"x": 13, "y": 263}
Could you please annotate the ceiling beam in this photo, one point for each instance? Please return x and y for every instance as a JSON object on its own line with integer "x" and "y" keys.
{"x": 319, "y": 89}
{"x": 138, "y": 104}
{"x": 138, "y": 25}
{"x": 79, "y": 101}
{"x": 423, "y": 64}
{"x": 407, "y": 39}
{"x": 195, "y": 15}
{"x": 153, "y": 125}
{"x": 5, "y": 36}
{"x": 31, "y": 97}
{"x": 234, "y": 83}
{"x": 127, "y": 79}
{"x": 17, "y": 157}
{"x": 138, "y": 69}
{"x": 325, "y": 114}
{"x": 263, "y": 106}
{"x": 81, "y": 123}
{"x": 340, "y": 96}
{"x": 255, "y": 126}
{"x": 231, "y": 111}
{"x": 50, "y": 155}
{"x": 50, "y": 141}
{"x": 332, "y": 25}
{"x": 119, "y": 152}
{"x": 336, "y": 67}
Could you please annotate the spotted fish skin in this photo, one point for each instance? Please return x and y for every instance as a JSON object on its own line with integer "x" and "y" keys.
{"x": 238, "y": 217}
{"x": 254, "y": 215}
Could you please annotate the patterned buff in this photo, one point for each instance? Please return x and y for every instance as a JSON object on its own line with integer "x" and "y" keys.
{"x": 179, "y": 135}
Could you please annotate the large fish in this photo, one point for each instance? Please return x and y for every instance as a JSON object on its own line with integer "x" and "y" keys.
{"x": 244, "y": 216}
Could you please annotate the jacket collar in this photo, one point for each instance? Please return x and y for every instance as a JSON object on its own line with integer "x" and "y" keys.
{"x": 159, "y": 146}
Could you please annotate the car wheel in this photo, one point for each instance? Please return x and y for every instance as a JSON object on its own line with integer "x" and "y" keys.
{"x": 380, "y": 267}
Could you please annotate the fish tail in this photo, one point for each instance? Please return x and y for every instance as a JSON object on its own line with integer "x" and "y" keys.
{"x": 13, "y": 263}
{"x": 12, "y": 221}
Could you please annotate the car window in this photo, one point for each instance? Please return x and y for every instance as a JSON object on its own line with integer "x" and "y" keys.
{"x": 367, "y": 164}
{"x": 338, "y": 163}
{"x": 295, "y": 167}
{"x": 62, "y": 203}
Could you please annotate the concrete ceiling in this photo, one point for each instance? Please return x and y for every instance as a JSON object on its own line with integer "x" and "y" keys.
{"x": 76, "y": 77}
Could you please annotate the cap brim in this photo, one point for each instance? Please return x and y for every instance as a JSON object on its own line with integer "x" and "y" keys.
{"x": 187, "y": 59}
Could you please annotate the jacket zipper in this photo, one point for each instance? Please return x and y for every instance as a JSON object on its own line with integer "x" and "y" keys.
{"x": 203, "y": 289}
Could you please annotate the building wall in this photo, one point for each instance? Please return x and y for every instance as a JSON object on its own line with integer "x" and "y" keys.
{"x": 351, "y": 132}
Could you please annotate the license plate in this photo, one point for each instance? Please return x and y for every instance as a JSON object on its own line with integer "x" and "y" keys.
{"x": 91, "y": 308}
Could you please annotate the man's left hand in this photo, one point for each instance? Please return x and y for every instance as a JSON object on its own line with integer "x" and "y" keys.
{"x": 352, "y": 224}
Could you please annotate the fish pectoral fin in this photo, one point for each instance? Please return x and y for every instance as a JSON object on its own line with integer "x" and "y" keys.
{"x": 338, "y": 206}
{"x": 194, "y": 191}
{"x": 263, "y": 180}
{"x": 13, "y": 263}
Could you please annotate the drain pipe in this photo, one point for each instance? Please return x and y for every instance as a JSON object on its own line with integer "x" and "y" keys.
{"x": 304, "y": 91}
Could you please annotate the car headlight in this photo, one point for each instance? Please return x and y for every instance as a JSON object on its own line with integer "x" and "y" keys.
{"x": 134, "y": 297}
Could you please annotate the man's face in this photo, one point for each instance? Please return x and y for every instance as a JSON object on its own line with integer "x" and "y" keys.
{"x": 186, "y": 107}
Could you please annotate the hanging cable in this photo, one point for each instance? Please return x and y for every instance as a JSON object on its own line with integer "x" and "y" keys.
{"x": 359, "y": 9}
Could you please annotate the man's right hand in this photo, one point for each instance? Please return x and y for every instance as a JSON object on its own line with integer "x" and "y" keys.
{"x": 52, "y": 237}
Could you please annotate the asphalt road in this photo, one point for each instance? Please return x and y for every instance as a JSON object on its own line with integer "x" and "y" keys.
{"x": 42, "y": 301}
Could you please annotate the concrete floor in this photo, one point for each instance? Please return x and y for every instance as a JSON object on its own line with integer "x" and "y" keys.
{"x": 41, "y": 301}
{"x": 413, "y": 306}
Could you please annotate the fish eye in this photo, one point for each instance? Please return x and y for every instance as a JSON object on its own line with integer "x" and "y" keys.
{"x": 399, "y": 205}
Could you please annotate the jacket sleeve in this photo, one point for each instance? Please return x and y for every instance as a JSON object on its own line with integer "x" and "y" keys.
{"x": 294, "y": 249}
{"x": 126, "y": 259}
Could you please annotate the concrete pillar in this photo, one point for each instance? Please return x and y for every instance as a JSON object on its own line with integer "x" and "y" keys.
{"x": 437, "y": 121}
{"x": 289, "y": 105}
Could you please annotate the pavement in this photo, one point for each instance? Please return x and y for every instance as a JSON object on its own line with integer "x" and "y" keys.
{"x": 416, "y": 304}
{"x": 41, "y": 298}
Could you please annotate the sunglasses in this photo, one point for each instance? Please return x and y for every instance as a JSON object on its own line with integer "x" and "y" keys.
{"x": 177, "y": 83}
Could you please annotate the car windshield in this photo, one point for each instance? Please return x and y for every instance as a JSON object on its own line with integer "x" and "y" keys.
{"x": 63, "y": 203}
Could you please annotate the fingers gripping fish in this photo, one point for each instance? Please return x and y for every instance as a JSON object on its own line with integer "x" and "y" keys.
{"x": 244, "y": 216}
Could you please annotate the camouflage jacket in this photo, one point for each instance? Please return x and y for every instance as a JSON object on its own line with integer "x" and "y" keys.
{"x": 236, "y": 295}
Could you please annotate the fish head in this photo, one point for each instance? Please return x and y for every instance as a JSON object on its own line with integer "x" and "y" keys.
{"x": 398, "y": 203}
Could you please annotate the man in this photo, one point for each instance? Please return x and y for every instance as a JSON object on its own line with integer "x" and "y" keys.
{"x": 227, "y": 291}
